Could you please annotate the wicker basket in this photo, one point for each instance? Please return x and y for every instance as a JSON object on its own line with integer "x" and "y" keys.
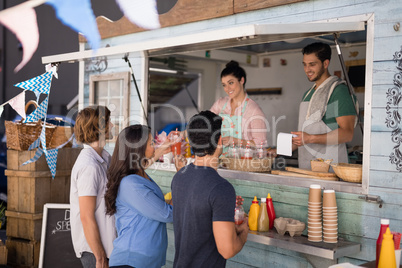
{"x": 249, "y": 165}
{"x": 60, "y": 136}
{"x": 348, "y": 172}
{"x": 21, "y": 135}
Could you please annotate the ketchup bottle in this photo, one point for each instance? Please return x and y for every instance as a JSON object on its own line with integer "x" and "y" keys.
{"x": 384, "y": 226}
{"x": 270, "y": 211}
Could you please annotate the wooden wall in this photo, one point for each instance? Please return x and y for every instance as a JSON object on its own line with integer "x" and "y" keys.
{"x": 359, "y": 221}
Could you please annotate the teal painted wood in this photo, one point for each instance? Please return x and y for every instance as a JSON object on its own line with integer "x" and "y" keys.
{"x": 381, "y": 163}
{"x": 386, "y": 179}
{"x": 383, "y": 148}
{"x": 379, "y": 95}
{"x": 378, "y": 116}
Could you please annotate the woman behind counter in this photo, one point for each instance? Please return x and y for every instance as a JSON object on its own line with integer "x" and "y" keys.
{"x": 137, "y": 202}
{"x": 243, "y": 119}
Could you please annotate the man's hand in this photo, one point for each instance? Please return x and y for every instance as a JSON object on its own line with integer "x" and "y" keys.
{"x": 179, "y": 161}
{"x": 301, "y": 139}
{"x": 272, "y": 153}
{"x": 239, "y": 200}
{"x": 242, "y": 228}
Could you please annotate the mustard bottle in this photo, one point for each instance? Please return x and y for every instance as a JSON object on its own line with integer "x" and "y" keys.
{"x": 387, "y": 254}
{"x": 263, "y": 220}
{"x": 188, "y": 149}
{"x": 253, "y": 215}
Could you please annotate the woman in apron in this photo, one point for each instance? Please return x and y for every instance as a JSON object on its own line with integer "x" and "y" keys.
{"x": 243, "y": 120}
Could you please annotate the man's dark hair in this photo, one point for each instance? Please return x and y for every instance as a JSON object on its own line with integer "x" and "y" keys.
{"x": 204, "y": 131}
{"x": 321, "y": 50}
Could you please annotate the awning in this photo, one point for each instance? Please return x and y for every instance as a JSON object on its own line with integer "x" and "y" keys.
{"x": 216, "y": 39}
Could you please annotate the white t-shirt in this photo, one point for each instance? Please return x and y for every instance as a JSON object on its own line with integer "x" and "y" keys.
{"x": 88, "y": 178}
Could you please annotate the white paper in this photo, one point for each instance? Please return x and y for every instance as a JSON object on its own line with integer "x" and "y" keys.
{"x": 284, "y": 144}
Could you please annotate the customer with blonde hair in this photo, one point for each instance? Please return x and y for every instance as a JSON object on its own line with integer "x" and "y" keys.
{"x": 92, "y": 230}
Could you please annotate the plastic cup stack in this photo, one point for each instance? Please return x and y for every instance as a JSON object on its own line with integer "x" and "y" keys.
{"x": 315, "y": 214}
{"x": 330, "y": 215}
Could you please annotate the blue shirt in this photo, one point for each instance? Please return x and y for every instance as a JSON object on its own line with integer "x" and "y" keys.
{"x": 141, "y": 218}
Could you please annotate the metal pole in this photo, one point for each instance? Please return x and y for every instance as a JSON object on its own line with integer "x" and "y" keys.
{"x": 338, "y": 49}
{"x": 192, "y": 100}
{"x": 136, "y": 86}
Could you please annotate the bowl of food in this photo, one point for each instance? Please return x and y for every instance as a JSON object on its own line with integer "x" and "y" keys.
{"x": 320, "y": 165}
{"x": 348, "y": 172}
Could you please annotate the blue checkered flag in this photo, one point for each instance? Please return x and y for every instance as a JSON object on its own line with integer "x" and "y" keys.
{"x": 43, "y": 137}
{"x": 39, "y": 113}
{"x": 51, "y": 159}
{"x": 37, "y": 155}
{"x": 39, "y": 84}
{"x": 34, "y": 145}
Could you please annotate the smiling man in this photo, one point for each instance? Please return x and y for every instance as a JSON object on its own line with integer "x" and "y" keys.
{"x": 327, "y": 113}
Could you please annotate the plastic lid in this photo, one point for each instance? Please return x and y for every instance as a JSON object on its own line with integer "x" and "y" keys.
{"x": 329, "y": 191}
{"x": 385, "y": 221}
{"x": 315, "y": 186}
{"x": 269, "y": 196}
{"x": 263, "y": 200}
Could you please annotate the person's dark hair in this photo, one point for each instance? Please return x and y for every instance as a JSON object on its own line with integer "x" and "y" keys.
{"x": 204, "y": 131}
{"x": 321, "y": 50}
{"x": 128, "y": 158}
{"x": 91, "y": 123}
{"x": 233, "y": 68}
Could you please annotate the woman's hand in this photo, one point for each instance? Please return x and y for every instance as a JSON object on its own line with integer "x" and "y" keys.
{"x": 179, "y": 161}
{"x": 163, "y": 149}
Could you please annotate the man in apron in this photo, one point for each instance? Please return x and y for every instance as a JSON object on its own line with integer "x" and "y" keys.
{"x": 327, "y": 113}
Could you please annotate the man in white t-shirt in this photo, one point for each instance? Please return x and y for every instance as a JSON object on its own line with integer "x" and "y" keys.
{"x": 92, "y": 231}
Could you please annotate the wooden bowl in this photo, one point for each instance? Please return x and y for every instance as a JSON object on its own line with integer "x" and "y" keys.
{"x": 348, "y": 172}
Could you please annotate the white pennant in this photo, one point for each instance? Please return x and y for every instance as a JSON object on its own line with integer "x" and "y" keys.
{"x": 18, "y": 104}
{"x": 141, "y": 12}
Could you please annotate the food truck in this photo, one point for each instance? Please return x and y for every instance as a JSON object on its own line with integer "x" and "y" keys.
{"x": 191, "y": 48}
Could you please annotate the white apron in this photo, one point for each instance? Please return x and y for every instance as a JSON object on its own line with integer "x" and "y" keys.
{"x": 308, "y": 152}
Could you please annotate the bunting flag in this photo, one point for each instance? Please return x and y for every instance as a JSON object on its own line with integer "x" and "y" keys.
{"x": 18, "y": 104}
{"x": 51, "y": 159}
{"x": 22, "y": 22}
{"x": 1, "y": 109}
{"x": 37, "y": 155}
{"x": 39, "y": 84}
{"x": 141, "y": 12}
{"x": 78, "y": 15}
{"x": 39, "y": 112}
{"x": 43, "y": 137}
{"x": 34, "y": 145}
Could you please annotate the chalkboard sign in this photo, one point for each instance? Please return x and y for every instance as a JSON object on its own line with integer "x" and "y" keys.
{"x": 56, "y": 248}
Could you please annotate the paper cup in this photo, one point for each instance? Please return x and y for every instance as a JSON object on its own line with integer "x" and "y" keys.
{"x": 168, "y": 158}
{"x": 335, "y": 221}
{"x": 314, "y": 239}
{"x": 329, "y": 209}
{"x": 331, "y": 240}
{"x": 328, "y": 198}
{"x": 315, "y": 203}
{"x": 315, "y": 193}
{"x": 330, "y": 229}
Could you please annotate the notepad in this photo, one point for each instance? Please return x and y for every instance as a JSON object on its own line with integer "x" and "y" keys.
{"x": 284, "y": 144}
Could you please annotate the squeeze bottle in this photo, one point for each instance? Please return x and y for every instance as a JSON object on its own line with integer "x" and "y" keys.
{"x": 384, "y": 226}
{"x": 387, "y": 255}
{"x": 270, "y": 211}
{"x": 253, "y": 215}
{"x": 188, "y": 149}
{"x": 263, "y": 220}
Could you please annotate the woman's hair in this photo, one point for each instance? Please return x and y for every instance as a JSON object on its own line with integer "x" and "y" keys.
{"x": 233, "y": 68}
{"x": 204, "y": 131}
{"x": 128, "y": 158}
{"x": 91, "y": 123}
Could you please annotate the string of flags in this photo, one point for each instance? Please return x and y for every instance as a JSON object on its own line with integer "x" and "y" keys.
{"x": 39, "y": 85}
{"x": 76, "y": 14}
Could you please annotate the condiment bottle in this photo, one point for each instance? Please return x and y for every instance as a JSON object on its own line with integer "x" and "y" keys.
{"x": 247, "y": 152}
{"x": 270, "y": 211}
{"x": 384, "y": 226}
{"x": 260, "y": 152}
{"x": 387, "y": 255}
{"x": 188, "y": 149}
{"x": 253, "y": 215}
{"x": 234, "y": 152}
{"x": 263, "y": 220}
{"x": 239, "y": 214}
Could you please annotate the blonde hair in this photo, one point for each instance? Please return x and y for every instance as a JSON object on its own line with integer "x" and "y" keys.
{"x": 91, "y": 123}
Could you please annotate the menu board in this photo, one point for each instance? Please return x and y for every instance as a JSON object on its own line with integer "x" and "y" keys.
{"x": 56, "y": 248}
